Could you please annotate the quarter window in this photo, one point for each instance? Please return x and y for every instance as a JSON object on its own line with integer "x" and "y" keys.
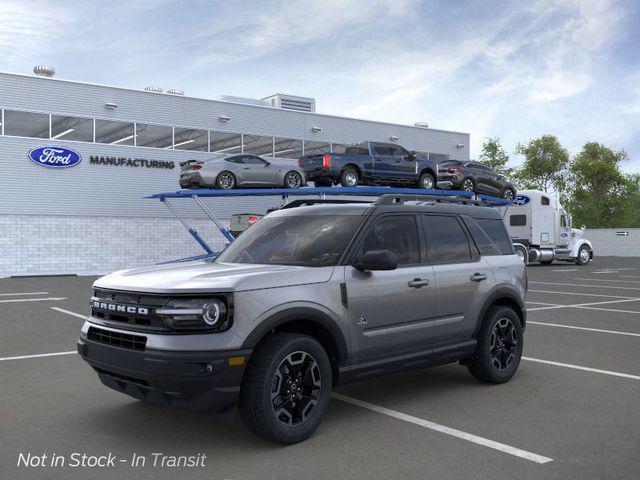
{"x": 26, "y": 124}
{"x": 448, "y": 242}
{"x": 397, "y": 233}
{"x": 493, "y": 236}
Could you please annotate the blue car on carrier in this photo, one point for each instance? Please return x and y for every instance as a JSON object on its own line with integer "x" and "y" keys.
{"x": 371, "y": 163}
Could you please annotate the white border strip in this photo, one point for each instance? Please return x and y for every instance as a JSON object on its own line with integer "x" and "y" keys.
{"x": 68, "y": 312}
{"x": 586, "y": 369}
{"x": 23, "y": 357}
{"x": 485, "y": 442}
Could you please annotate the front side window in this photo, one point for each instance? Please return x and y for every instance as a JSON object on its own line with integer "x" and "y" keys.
{"x": 397, "y": 233}
{"x": 253, "y": 160}
{"x": 309, "y": 241}
{"x": 448, "y": 242}
{"x": 26, "y": 124}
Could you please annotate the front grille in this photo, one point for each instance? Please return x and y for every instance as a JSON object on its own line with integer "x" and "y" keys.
{"x": 117, "y": 339}
{"x": 108, "y": 305}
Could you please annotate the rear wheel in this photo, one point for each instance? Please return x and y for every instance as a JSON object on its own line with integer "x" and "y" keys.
{"x": 285, "y": 391}
{"x": 426, "y": 181}
{"x": 468, "y": 185}
{"x": 225, "y": 180}
{"x": 584, "y": 255}
{"x": 349, "y": 178}
{"x": 293, "y": 180}
{"x": 499, "y": 347}
{"x": 508, "y": 194}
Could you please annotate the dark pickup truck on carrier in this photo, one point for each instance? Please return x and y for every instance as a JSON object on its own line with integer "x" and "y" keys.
{"x": 371, "y": 163}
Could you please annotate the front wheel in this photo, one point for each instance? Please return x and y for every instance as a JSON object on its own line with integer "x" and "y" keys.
{"x": 508, "y": 194}
{"x": 584, "y": 255}
{"x": 426, "y": 181}
{"x": 468, "y": 185}
{"x": 499, "y": 348}
{"x": 293, "y": 180}
{"x": 286, "y": 389}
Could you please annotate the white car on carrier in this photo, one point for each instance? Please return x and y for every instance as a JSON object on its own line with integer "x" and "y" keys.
{"x": 541, "y": 230}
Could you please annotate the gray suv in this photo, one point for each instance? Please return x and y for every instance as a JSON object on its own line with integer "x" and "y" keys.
{"x": 309, "y": 298}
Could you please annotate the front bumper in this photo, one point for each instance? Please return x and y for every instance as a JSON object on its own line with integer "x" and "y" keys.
{"x": 202, "y": 382}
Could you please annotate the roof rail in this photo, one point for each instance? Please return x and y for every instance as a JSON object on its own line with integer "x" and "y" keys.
{"x": 316, "y": 201}
{"x": 390, "y": 198}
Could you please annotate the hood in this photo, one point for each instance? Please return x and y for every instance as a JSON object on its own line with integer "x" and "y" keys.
{"x": 204, "y": 277}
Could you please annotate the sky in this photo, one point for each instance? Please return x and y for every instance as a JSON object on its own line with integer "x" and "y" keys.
{"x": 514, "y": 70}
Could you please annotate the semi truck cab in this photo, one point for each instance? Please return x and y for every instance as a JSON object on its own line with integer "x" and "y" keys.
{"x": 541, "y": 230}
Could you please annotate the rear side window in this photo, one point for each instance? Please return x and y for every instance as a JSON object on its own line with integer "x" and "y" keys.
{"x": 492, "y": 239}
{"x": 357, "y": 151}
{"x": 448, "y": 241}
{"x": 518, "y": 220}
{"x": 398, "y": 233}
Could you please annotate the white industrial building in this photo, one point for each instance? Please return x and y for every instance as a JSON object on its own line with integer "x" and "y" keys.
{"x": 91, "y": 218}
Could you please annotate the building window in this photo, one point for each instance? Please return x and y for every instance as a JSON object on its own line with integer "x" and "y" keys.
{"x": 115, "y": 133}
{"x": 438, "y": 157}
{"x": 257, "y": 145}
{"x": 287, "y": 148}
{"x": 225, "y": 142}
{"x": 71, "y": 128}
{"x": 157, "y": 136}
{"x": 338, "y": 148}
{"x": 190, "y": 139}
{"x": 316, "y": 148}
{"x": 26, "y": 124}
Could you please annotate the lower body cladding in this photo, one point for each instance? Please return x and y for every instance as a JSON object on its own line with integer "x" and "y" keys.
{"x": 194, "y": 381}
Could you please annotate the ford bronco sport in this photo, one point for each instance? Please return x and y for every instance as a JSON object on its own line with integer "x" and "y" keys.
{"x": 309, "y": 298}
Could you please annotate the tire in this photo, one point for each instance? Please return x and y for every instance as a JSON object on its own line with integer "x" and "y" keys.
{"x": 266, "y": 370}
{"x": 349, "y": 178}
{"x": 509, "y": 194}
{"x": 488, "y": 363}
{"x": 292, "y": 180}
{"x": 468, "y": 185}
{"x": 225, "y": 180}
{"x": 427, "y": 181}
{"x": 584, "y": 255}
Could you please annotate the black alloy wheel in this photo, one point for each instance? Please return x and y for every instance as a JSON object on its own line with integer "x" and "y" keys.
{"x": 504, "y": 343}
{"x": 508, "y": 194}
{"x": 296, "y": 388}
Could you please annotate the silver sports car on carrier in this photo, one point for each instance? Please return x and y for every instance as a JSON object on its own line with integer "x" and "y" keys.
{"x": 241, "y": 170}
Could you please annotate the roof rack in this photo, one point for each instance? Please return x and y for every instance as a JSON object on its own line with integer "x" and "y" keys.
{"x": 317, "y": 201}
{"x": 390, "y": 199}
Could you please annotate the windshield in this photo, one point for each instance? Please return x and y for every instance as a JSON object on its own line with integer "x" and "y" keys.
{"x": 310, "y": 241}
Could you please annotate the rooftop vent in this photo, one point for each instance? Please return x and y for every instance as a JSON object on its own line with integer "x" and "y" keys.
{"x": 153, "y": 88}
{"x": 422, "y": 124}
{"x": 244, "y": 100}
{"x": 175, "y": 91}
{"x": 43, "y": 71}
{"x": 291, "y": 102}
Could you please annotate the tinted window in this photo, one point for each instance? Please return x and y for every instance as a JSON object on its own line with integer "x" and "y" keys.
{"x": 383, "y": 150}
{"x": 397, "y": 233}
{"x": 156, "y": 136}
{"x": 26, "y": 124}
{"x": 72, "y": 128}
{"x": 257, "y": 145}
{"x": 252, "y": 160}
{"x": 115, "y": 133}
{"x": 316, "y": 148}
{"x": 338, "y": 148}
{"x": 518, "y": 220}
{"x": 544, "y": 201}
{"x": 357, "y": 151}
{"x": 190, "y": 139}
{"x": 287, "y": 148}
{"x": 490, "y": 236}
{"x": 225, "y": 142}
{"x": 310, "y": 241}
{"x": 238, "y": 159}
{"x": 448, "y": 242}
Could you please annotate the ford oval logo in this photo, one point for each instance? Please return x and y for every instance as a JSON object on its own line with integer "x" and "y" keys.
{"x": 55, "y": 157}
{"x": 521, "y": 200}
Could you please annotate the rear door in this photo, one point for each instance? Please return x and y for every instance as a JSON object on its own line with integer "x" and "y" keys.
{"x": 390, "y": 312}
{"x": 462, "y": 277}
{"x": 383, "y": 160}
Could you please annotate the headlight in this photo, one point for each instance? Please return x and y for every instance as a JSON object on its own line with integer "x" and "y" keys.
{"x": 196, "y": 314}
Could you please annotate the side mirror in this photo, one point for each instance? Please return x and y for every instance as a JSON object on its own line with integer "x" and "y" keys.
{"x": 377, "y": 260}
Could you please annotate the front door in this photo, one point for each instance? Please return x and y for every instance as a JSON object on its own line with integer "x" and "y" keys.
{"x": 390, "y": 311}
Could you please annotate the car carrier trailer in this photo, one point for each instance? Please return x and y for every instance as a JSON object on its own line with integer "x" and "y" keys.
{"x": 314, "y": 195}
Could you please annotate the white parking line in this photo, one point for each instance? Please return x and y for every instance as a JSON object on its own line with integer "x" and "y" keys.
{"x": 587, "y": 286}
{"x": 629, "y": 276}
{"x": 581, "y": 294}
{"x": 587, "y": 305}
{"x": 566, "y": 270}
{"x": 579, "y": 367}
{"x": 22, "y": 357}
{"x": 542, "y": 303}
{"x": 485, "y": 442}
{"x": 608, "y": 309}
{"x": 48, "y": 299}
{"x": 573, "y": 327}
{"x": 23, "y": 293}
{"x": 73, "y": 314}
{"x": 606, "y": 280}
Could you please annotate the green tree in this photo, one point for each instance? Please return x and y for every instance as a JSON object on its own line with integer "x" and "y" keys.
{"x": 545, "y": 164}
{"x": 494, "y": 156}
{"x": 600, "y": 194}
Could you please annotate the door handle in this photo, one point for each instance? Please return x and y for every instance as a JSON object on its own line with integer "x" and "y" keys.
{"x": 246, "y": 168}
{"x": 478, "y": 277}
{"x": 418, "y": 282}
